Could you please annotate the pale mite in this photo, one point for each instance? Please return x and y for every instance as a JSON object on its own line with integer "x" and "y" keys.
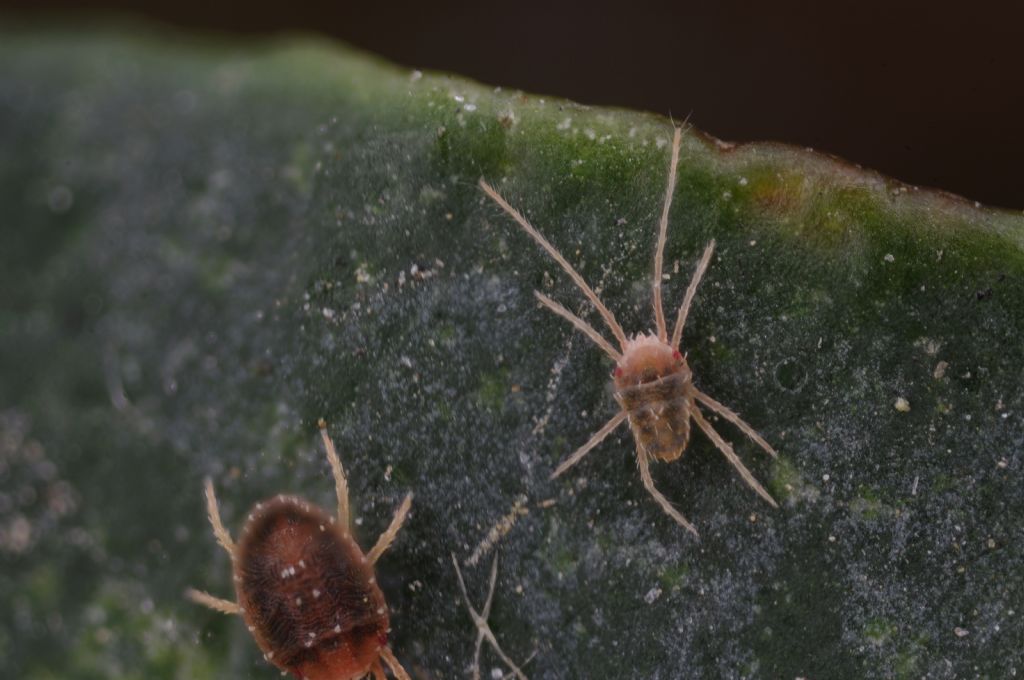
{"x": 307, "y": 592}
{"x": 653, "y": 383}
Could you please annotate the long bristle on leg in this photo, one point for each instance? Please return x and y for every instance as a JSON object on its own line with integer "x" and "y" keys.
{"x": 643, "y": 463}
{"x": 340, "y": 481}
{"x": 735, "y": 419}
{"x": 726, "y": 449}
{"x": 691, "y": 290}
{"x": 579, "y": 323}
{"x": 212, "y": 511}
{"x": 385, "y": 540}
{"x": 214, "y": 603}
{"x": 606, "y": 313}
{"x": 598, "y": 437}
{"x": 659, "y": 251}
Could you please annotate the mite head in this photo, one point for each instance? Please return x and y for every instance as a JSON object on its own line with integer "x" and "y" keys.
{"x": 647, "y": 359}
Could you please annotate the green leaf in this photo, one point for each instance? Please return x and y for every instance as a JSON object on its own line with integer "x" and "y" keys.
{"x": 207, "y": 246}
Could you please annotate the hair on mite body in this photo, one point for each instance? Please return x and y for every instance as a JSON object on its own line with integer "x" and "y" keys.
{"x": 652, "y": 382}
{"x": 304, "y": 587}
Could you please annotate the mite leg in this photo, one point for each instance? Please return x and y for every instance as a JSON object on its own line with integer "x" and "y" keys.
{"x": 594, "y": 441}
{"x": 606, "y": 313}
{"x": 480, "y": 620}
{"x": 659, "y": 252}
{"x": 214, "y": 603}
{"x": 512, "y": 674}
{"x": 393, "y": 664}
{"x": 479, "y": 644}
{"x": 579, "y": 323}
{"x": 340, "y": 482}
{"x": 378, "y": 671}
{"x": 645, "y": 475}
{"x": 726, "y": 450}
{"x": 223, "y": 537}
{"x": 485, "y": 615}
{"x": 684, "y": 309}
{"x": 735, "y": 419}
{"x": 477, "y": 650}
{"x": 388, "y": 536}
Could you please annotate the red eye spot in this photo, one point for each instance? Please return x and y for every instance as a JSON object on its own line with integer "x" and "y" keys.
{"x": 618, "y": 371}
{"x": 677, "y": 356}
{"x": 382, "y": 637}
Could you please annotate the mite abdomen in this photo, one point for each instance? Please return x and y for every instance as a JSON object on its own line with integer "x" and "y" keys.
{"x": 659, "y": 414}
{"x": 308, "y": 593}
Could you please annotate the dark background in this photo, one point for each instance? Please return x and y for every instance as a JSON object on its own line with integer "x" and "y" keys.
{"x": 928, "y": 93}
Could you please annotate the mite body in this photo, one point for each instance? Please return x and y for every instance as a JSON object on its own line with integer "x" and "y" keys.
{"x": 655, "y": 387}
{"x": 308, "y": 594}
{"x": 304, "y": 587}
{"x": 652, "y": 381}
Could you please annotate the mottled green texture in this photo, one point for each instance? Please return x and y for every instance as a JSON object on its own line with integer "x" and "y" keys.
{"x": 206, "y": 247}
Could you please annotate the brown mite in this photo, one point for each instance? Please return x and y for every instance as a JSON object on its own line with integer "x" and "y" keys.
{"x": 652, "y": 382}
{"x": 305, "y": 589}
